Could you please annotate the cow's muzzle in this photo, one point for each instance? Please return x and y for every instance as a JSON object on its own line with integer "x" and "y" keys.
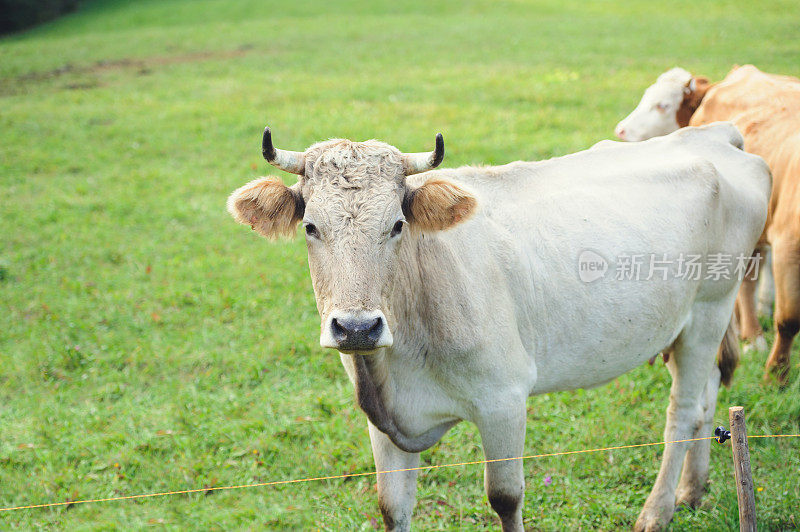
{"x": 356, "y": 331}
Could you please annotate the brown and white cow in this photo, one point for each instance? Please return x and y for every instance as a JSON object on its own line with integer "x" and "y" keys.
{"x": 766, "y": 109}
{"x": 455, "y": 294}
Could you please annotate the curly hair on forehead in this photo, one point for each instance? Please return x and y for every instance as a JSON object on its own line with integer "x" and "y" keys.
{"x": 348, "y": 164}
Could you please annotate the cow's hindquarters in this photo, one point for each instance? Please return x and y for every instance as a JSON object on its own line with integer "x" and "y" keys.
{"x": 694, "y": 475}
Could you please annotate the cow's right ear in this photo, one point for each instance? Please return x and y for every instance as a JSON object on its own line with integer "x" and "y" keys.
{"x": 268, "y": 206}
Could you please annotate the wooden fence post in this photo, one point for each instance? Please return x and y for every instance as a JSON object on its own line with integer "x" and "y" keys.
{"x": 741, "y": 468}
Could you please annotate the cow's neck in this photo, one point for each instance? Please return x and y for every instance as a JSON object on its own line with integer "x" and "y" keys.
{"x": 691, "y": 101}
{"x": 370, "y": 393}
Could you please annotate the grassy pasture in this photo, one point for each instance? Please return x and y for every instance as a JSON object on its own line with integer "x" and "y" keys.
{"x": 148, "y": 343}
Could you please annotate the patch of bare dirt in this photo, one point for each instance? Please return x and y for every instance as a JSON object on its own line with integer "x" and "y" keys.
{"x": 141, "y": 66}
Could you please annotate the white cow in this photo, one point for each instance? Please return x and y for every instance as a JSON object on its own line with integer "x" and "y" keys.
{"x": 455, "y": 294}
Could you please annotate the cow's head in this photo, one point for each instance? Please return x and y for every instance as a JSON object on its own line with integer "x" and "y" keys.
{"x": 667, "y": 105}
{"x": 356, "y": 207}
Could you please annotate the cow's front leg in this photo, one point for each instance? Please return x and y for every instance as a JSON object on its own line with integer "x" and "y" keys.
{"x": 766, "y": 284}
{"x": 397, "y": 492}
{"x": 749, "y": 327}
{"x": 503, "y": 436}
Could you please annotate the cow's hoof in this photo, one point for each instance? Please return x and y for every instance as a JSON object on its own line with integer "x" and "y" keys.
{"x": 752, "y": 345}
{"x": 776, "y": 375}
{"x": 760, "y": 343}
{"x": 689, "y": 496}
{"x": 654, "y": 518}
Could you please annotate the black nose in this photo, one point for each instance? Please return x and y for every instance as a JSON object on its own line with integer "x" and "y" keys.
{"x": 356, "y": 334}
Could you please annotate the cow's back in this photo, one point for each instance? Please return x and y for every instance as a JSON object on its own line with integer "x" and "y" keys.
{"x": 535, "y": 220}
{"x": 766, "y": 109}
{"x": 748, "y": 92}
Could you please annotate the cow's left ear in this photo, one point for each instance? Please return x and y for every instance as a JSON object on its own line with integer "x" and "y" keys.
{"x": 268, "y": 206}
{"x": 438, "y": 204}
{"x": 700, "y": 84}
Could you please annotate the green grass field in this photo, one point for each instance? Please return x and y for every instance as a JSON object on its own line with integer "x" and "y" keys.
{"x": 148, "y": 343}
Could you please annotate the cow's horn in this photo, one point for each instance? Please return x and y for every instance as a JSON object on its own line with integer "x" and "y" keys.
{"x": 289, "y": 161}
{"x": 421, "y": 162}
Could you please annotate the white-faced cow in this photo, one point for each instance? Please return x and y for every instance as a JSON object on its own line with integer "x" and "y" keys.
{"x": 455, "y": 294}
{"x": 766, "y": 109}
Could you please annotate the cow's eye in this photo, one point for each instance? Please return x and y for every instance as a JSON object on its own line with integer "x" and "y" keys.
{"x": 398, "y": 227}
{"x": 663, "y": 107}
{"x": 311, "y": 230}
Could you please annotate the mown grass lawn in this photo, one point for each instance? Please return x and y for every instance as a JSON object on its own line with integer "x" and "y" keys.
{"x": 148, "y": 343}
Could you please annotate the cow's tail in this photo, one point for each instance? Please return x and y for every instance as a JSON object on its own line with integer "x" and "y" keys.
{"x": 728, "y": 355}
